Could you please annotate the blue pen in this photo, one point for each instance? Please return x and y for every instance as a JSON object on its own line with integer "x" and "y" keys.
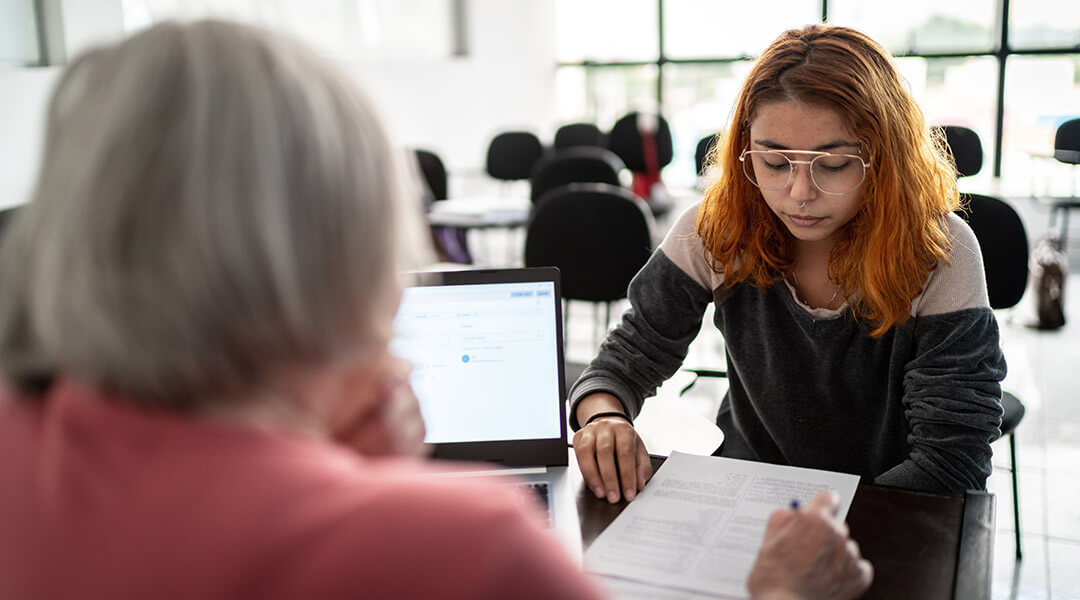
{"x": 795, "y": 504}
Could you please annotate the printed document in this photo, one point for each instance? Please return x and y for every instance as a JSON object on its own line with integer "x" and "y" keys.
{"x": 696, "y": 527}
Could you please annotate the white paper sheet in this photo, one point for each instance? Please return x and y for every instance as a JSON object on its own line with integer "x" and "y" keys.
{"x": 698, "y": 524}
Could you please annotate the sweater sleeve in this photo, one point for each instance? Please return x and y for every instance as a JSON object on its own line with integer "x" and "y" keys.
{"x": 651, "y": 341}
{"x": 951, "y": 386}
{"x": 952, "y": 400}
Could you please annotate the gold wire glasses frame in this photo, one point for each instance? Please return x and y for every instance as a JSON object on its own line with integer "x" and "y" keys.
{"x": 833, "y": 174}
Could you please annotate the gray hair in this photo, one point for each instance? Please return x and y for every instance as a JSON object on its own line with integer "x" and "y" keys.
{"x": 213, "y": 202}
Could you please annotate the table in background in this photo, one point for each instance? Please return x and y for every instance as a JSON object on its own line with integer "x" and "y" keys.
{"x": 921, "y": 545}
{"x": 484, "y": 214}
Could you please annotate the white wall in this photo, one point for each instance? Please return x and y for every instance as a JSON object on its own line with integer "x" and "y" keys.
{"x": 23, "y": 95}
{"x": 452, "y": 106}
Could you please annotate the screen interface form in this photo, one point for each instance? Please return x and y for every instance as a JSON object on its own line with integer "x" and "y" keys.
{"x": 485, "y": 360}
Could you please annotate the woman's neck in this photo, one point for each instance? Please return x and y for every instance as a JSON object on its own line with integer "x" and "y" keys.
{"x": 810, "y": 277}
{"x": 813, "y": 253}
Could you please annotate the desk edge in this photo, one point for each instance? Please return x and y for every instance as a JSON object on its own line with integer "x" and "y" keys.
{"x": 974, "y": 568}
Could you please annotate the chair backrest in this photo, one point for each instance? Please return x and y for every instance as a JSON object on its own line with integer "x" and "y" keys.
{"x": 701, "y": 153}
{"x": 1067, "y": 142}
{"x": 512, "y": 154}
{"x": 966, "y": 149}
{"x": 1004, "y": 245}
{"x": 1002, "y": 238}
{"x": 434, "y": 172}
{"x": 598, "y": 235}
{"x": 6, "y": 215}
{"x": 580, "y": 164}
{"x": 578, "y": 134}
{"x": 625, "y": 141}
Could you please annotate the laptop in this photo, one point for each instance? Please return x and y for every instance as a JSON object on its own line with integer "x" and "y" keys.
{"x": 487, "y": 352}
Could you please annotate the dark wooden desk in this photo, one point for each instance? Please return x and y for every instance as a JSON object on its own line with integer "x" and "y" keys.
{"x": 921, "y": 545}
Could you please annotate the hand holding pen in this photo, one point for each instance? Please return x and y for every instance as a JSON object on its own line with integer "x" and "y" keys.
{"x": 807, "y": 553}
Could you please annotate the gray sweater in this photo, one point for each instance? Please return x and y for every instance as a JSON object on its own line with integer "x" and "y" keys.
{"x": 915, "y": 408}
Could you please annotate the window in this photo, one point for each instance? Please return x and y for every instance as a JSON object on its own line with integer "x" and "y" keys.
{"x": 698, "y": 99}
{"x": 1044, "y": 24}
{"x": 18, "y": 34}
{"x": 710, "y": 29}
{"x": 1041, "y": 92}
{"x": 921, "y": 26}
{"x": 606, "y": 30}
{"x": 957, "y": 91}
{"x": 607, "y": 93}
{"x": 951, "y": 53}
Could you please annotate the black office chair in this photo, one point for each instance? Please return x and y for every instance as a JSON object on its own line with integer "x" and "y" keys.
{"x": 512, "y": 154}
{"x": 452, "y": 243}
{"x": 701, "y": 154}
{"x": 1066, "y": 150}
{"x": 1004, "y": 245}
{"x": 598, "y": 235}
{"x": 573, "y": 135}
{"x": 581, "y": 164}
{"x": 5, "y": 217}
{"x": 625, "y": 141}
{"x": 645, "y": 160}
{"x": 966, "y": 148}
{"x": 434, "y": 173}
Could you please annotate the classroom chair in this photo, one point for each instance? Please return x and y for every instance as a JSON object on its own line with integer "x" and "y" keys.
{"x": 579, "y": 164}
{"x": 511, "y": 155}
{"x": 598, "y": 235}
{"x": 1066, "y": 150}
{"x": 573, "y": 135}
{"x": 1003, "y": 243}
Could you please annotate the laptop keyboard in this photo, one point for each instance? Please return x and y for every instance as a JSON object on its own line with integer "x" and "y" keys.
{"x": 541, "y": 492}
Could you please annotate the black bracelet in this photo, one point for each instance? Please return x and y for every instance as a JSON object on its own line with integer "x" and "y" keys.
{"x": 612, "y": 413}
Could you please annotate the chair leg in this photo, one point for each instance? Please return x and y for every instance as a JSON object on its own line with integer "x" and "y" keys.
{"x": 1064, "y": 227}
{"x": 1016, "y": 494}
{"x": 687, "y": 387}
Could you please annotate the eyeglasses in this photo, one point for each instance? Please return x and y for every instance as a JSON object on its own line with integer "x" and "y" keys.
{"x": 831, "y": 173}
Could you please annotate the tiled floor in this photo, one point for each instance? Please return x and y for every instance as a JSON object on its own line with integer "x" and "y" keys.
{"x": 1042, "y": 367}
{"x": 1044, "y": 372}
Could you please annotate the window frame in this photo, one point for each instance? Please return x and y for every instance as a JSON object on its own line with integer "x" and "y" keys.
{"x": 1001, "y": 52}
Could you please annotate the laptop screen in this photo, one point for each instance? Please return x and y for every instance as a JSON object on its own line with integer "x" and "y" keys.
{"x": 486, "y": 349}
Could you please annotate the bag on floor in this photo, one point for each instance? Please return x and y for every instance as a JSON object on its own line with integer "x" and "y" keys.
{"x": 1049, "y": 267}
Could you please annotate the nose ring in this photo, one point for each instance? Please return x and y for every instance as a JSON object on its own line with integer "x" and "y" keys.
{"x": 803, "y": 205}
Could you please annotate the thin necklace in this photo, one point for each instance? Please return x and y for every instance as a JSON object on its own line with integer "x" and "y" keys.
{"x": 828, "y": 306}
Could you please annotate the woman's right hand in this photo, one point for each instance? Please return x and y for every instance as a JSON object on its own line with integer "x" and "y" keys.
{"x": 613, "y": 460}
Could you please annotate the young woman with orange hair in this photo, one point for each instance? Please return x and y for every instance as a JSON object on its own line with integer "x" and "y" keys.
{"x": 852, "y": 301}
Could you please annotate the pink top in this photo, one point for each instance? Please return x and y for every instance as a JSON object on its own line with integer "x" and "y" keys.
{"x": 99, "y": 499}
